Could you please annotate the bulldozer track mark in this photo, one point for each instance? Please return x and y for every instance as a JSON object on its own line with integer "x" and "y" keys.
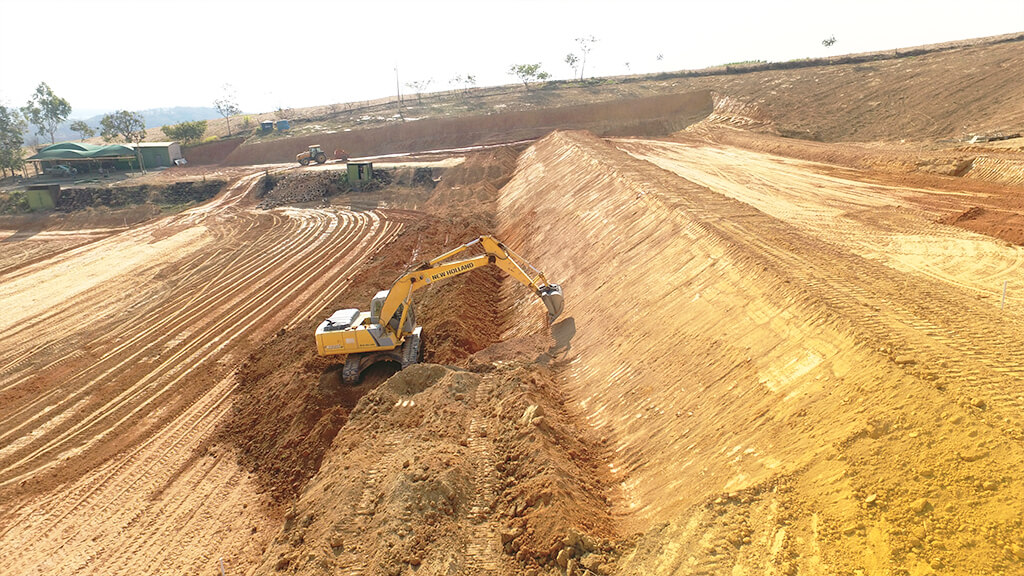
{"x": 194, "y": 319}
{"x": 355, "y": 562}
{"x": 330, "y": 294}
{"x": 830, "y": 270}
{"x": 285, "y": 279}
{"x": 148, "y": 461}
{"x": 483, "y": 555}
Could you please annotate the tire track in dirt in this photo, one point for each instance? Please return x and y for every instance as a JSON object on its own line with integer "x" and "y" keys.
{"x": 104, "y": 492}
{"x": 274, "y": 265}
{"x": 192, "y": 320}
{"x": 157, "y": 322}
{"x": 53, "y": 323}
{"x": 483, "y": 555}
{"x": 923, "y": 300}
{"x": 875, "y": 221}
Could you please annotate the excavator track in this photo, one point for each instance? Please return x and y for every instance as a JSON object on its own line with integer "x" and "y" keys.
{"x": 412, "y": 349}
{"x": 350, "y": 373}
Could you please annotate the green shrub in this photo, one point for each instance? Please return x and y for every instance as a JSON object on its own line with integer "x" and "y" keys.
{"x": 14, "y": 202}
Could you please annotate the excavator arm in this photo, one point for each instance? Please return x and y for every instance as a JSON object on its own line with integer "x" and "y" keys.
{"x": 400, "y": 296}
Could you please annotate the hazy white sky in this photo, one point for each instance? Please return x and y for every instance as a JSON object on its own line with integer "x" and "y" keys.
{"x": 138, "y": 54}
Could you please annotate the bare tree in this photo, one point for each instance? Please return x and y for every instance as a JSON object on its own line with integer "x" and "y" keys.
{"x": 827, "y": 43}
{"x": 419, "y": 86}
{"x": 586, "y": 45}
{"x": 227, "y": 105}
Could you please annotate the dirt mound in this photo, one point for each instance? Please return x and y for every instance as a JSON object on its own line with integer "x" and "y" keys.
{"x": 441, "y": 471}
{"x": 473, "y": 185}
{"x": 730, "y": 111}
{"x": 972, "y": 213}
{"x": 296, "y": 188}
{"x": 284, "y": 445}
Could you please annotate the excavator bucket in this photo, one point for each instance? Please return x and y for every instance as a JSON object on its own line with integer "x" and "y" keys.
{"x": 552, "y": 297}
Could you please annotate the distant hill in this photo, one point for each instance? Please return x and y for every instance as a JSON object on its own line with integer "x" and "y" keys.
{"x": 154, "y": 118}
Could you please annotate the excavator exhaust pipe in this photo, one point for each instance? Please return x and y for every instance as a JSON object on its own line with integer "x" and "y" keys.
{"x": 552, "y": 297}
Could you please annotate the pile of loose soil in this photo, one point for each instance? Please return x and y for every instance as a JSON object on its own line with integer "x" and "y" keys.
{"x": 299, "y": 187}
{"x": 971, "y": 213}
{"x": 442, "y": 471}
{"x": 73, "y": 199}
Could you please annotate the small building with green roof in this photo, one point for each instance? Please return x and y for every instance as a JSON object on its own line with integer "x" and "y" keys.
{"x": 91, "y": 157}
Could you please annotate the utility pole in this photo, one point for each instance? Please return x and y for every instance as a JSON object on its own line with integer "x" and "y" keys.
{"x": 398, "y": 92}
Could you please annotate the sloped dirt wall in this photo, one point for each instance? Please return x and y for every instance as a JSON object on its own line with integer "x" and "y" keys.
{"x": 655, "y": 115}
{"x": 211, "y": 153}
{"x": 772, "y": 402}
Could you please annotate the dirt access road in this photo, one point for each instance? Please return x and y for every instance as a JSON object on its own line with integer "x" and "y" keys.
{"x": 117, "y": 364}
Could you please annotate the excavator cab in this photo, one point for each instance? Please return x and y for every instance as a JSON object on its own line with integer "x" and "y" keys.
{"x": 375, "y": 307}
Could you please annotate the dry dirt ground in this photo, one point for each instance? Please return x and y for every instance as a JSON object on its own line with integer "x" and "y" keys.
{"x": 777, "y": 357}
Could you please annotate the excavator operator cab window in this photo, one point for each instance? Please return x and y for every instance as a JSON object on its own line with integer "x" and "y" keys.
{"x": 376, "y": 304}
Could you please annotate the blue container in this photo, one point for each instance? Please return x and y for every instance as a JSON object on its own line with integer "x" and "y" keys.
{"x": 267, "y": 126}
{"x": 283, "y": 125}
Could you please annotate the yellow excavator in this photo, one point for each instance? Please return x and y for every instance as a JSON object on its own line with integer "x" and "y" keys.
{"x": 388, "y": 331}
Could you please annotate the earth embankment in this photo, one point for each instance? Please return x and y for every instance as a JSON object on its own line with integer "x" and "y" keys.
{"x": 776, "y": 398}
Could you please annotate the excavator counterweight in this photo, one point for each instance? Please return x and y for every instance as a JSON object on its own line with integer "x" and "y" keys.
{"x": 388, "y": 331}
